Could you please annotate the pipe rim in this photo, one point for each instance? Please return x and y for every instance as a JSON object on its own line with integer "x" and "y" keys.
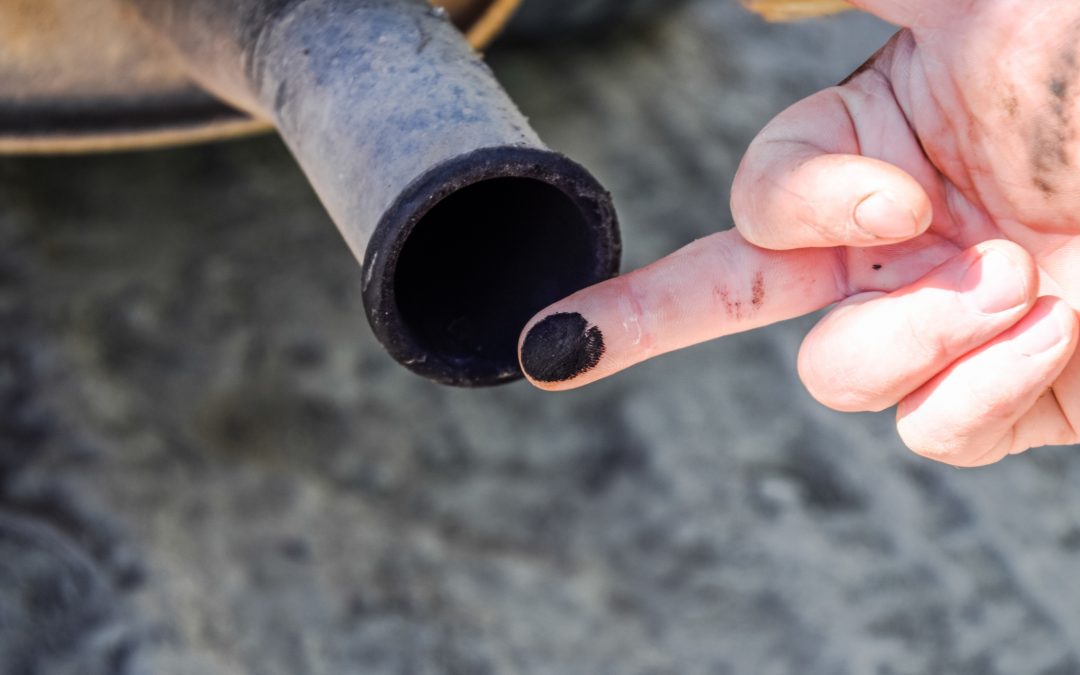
{"x": 389, "y": 238}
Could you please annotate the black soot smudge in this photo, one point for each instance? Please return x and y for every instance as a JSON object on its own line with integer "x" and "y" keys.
{"x": 561, "y": 347}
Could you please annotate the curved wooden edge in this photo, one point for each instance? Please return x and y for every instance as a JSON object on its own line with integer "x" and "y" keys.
{"x": 123, "y": 141}
{"x": 480, "y": 34}
{"x": 794, "y": 10}
{"x": 491, "y": 22}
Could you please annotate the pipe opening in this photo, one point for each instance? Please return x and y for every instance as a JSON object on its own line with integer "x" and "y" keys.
{"x": 482, "y": 261}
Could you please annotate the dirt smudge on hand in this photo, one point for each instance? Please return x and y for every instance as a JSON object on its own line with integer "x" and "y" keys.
{"x": 739, "y": 308}
{"x": 733, "y": 308}
{"x": 1011, "y": 104}
{"x": 758, "y": 295}
{"x": 1053, "y": 130}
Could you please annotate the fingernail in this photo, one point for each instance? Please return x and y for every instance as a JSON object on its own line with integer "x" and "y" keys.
{"x": 994, "y": 284}
{"x": 561, "y": 347}
{"x": 881, "y": 215}
{"x": 1045, "y": 334}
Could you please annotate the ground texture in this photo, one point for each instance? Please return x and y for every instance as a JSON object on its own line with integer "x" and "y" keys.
{"x": 207, "y": 466}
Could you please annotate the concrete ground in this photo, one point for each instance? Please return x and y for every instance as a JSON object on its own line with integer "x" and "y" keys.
{"x": 209, "y": 467}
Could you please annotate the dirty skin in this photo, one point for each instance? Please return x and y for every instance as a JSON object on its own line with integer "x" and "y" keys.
{"x": 757, "y": 297}
{"x": 561, "y": 347}
{"x": 1054, "y": 130}
{"x": 736, "y": 308}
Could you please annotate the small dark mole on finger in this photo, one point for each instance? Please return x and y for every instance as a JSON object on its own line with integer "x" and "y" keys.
{"x": 876, "y": 266}
{"x": 561, "y": 347}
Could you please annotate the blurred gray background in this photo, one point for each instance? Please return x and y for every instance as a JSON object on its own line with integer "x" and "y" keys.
{"x": 207, "y": 466}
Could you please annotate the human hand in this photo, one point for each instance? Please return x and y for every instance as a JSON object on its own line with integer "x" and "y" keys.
{"x": 935, "y": 195}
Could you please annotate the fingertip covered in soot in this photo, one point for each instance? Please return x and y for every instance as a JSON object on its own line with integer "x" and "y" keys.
{"x": 561, "y": 347}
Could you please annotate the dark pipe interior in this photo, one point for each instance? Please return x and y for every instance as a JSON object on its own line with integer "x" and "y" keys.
{"x": 482, "y": 261}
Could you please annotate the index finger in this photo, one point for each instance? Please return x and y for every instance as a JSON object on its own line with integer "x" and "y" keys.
{"x": 716, "y": 286}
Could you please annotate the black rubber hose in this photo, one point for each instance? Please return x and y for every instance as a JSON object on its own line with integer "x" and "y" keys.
{"x": 466, "y": 223}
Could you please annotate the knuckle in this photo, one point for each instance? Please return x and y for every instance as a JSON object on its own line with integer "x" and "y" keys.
{"x": 957, "y": 447}
{"x": 945, "y": 450}
{"x": 839, "y": 389}
{"x": 852, "y": 399}
{"x": 628, "y": 290}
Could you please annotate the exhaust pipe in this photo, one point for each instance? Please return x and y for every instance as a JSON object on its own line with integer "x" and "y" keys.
{"x": 465, "y": 222}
